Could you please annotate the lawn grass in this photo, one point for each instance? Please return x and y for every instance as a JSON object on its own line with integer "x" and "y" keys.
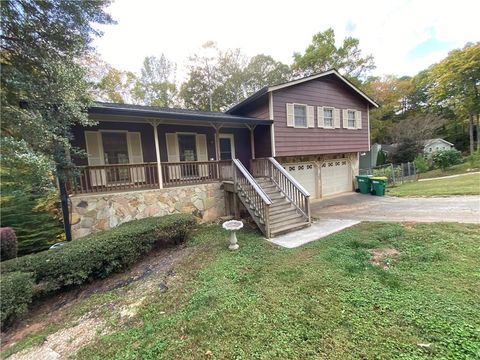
{"x": 461, "y": 185}
{"x": 463, "y": 168}
{"x": 323, "y": 301}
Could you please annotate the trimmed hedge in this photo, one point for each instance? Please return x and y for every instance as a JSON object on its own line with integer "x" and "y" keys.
{"x": 100, "y": 254}
{"x": 17, "y": 292}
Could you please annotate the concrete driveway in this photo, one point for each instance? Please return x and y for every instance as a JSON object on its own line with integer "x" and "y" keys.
{"x": 353, "y": 206}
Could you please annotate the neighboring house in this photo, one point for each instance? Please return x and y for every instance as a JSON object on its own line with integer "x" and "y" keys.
{"x": 193, "y": 161}
{"x": 434, "y": 145}
{"x": 368, "y": 159}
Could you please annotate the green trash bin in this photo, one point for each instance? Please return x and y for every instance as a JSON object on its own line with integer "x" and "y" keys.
{"x": 379, "y": 183}
{"x": 364, "y": 184}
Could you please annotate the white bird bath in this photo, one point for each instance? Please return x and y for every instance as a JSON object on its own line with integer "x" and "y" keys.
{"x": 233, "y": 226}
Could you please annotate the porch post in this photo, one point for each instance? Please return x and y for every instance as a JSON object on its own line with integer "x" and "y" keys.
{"x": 157, "y": 153}
{"x": 217, "y": 140}
{"x": 252, "y": 139}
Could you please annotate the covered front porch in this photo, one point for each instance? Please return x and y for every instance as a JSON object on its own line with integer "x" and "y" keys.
{"x": 132, "y": 149}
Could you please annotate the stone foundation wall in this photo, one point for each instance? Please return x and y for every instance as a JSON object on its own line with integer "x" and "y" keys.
{"x": 92, "y": 213}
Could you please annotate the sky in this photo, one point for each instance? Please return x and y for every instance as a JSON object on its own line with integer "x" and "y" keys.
{"x": 404, "y": 36}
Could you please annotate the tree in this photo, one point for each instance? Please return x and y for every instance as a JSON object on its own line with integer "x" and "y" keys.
{"x": 417, "y": 128}
{"x": 454, "y": 83}
{"x": 262, "y": 70}
{"x": 116, "y": 86}
{"x": 406, "y": 151}
{"x": 218, "y": 79}
{"x": 198, "y": 91}
{"x": 322, "y": 54}
{"x": 156, "y": 85}
{"x": 44, "y": 90}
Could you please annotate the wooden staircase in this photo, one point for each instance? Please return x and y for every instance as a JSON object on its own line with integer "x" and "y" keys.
{"x": 274, "y": 200}
{"x": 284, "y": 216}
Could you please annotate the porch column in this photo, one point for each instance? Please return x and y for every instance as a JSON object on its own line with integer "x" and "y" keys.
{"x": 155, "y": 123}
{"x": 252, "y": 139}
{"x": 217, "y": 140}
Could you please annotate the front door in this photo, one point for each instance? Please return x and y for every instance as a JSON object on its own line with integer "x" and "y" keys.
{"x": 227, "y": 149}
{"x": 116, "y": 152}
{"x": 187, "y": 147}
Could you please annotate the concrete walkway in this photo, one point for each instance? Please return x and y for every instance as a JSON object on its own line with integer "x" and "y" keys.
{"x": 317, "y": 231}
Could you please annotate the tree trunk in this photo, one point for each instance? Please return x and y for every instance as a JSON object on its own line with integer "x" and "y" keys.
{"x": 478, "y": 132}
{"x": 470, "y": 131}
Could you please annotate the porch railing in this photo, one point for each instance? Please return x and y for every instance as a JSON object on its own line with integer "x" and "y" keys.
{"x": 253, "y": 196}
{"x": 190, "y": 173}
{"x": 286, "y": 183}
{"x": 122, "y": 177}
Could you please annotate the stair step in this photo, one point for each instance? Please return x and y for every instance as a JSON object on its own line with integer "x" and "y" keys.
{"x": 288, "y": 218}
{"x": 278, "y": 203}
{"x": 295, "y": 220}
{"x": 276, "y": 196}
{"x": 287, "y": 228}
{"x": 268, "y": 186}
{"x": 281, "y": 209}
{"x": 283, "y": 213}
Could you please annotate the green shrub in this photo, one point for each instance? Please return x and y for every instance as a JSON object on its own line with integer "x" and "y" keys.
{"x": 421, "y": 164}
{"x": 381, "y": 158}
{"x": 474, "y": 159}
{"x": 445, "y": 158}
{"x": 36, "y": 226}
{"x": 100, "y": 254}
{"x": 17, "y": 291}
{"x": 8, "y": 243}
{"x": 389, "y": 171}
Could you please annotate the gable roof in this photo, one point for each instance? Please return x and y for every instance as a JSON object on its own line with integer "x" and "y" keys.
{"x": 268, "y": 89}
{"x": 431, "y": 141}
{"x": 103, "y": 108}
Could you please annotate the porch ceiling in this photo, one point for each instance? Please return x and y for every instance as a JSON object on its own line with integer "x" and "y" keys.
{"x": 185, "y": 116}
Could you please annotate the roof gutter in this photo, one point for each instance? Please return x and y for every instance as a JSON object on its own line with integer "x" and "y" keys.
{"x": 177, "y": 116}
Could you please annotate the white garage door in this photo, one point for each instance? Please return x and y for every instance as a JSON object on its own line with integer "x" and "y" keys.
{"x": 336, "y": 177}
{"x": 305, "y": 175}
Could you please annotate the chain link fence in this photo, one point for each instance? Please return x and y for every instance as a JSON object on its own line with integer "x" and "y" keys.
{"x": 395, "y": 173}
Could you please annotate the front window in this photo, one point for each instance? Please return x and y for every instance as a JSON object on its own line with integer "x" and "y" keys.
{"x": 351, "y": 119}
{"x": 116, "y": 152}
{"x": 328, "y": 117}
{"x": 300, "y": 114}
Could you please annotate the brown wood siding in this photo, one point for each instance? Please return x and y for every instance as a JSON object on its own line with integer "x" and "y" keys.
{"x": 259, "y": 109}
{"x": 241, "y": 136}
{"x": 327, "y": 91}
{"x": 263, "y": 141}
{"x": 145, "y": 130}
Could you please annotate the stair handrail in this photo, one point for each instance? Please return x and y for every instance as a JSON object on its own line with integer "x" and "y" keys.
{"x": 289, "y": 177}
{"x": 286, "y": 183}
{"x": 266, "y": 199}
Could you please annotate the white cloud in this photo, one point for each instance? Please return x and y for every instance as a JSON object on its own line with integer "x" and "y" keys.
{"x": 389, "y": 30}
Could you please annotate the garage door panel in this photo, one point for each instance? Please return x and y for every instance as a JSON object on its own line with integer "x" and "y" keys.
{"x": 305, "y": 175}
{"x": 335, "y": 177}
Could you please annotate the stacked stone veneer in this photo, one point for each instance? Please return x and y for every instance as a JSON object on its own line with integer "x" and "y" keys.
{"x": 92, "y": 213}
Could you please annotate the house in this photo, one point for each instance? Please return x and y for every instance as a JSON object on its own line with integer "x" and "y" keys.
{"x": 272, "y": 154}
{"x": 434, "y": 145}
{"x": 369, "y": 159}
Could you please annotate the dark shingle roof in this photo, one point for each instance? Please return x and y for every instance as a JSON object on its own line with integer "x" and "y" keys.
{"x": 172, "y": 113}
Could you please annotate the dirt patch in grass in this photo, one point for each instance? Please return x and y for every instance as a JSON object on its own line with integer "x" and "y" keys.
{"x": 409, "y": 225}
{"x": 64, "y": 342}
{"x": 156, "y": 270}
{"x": 380, "y": 256}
